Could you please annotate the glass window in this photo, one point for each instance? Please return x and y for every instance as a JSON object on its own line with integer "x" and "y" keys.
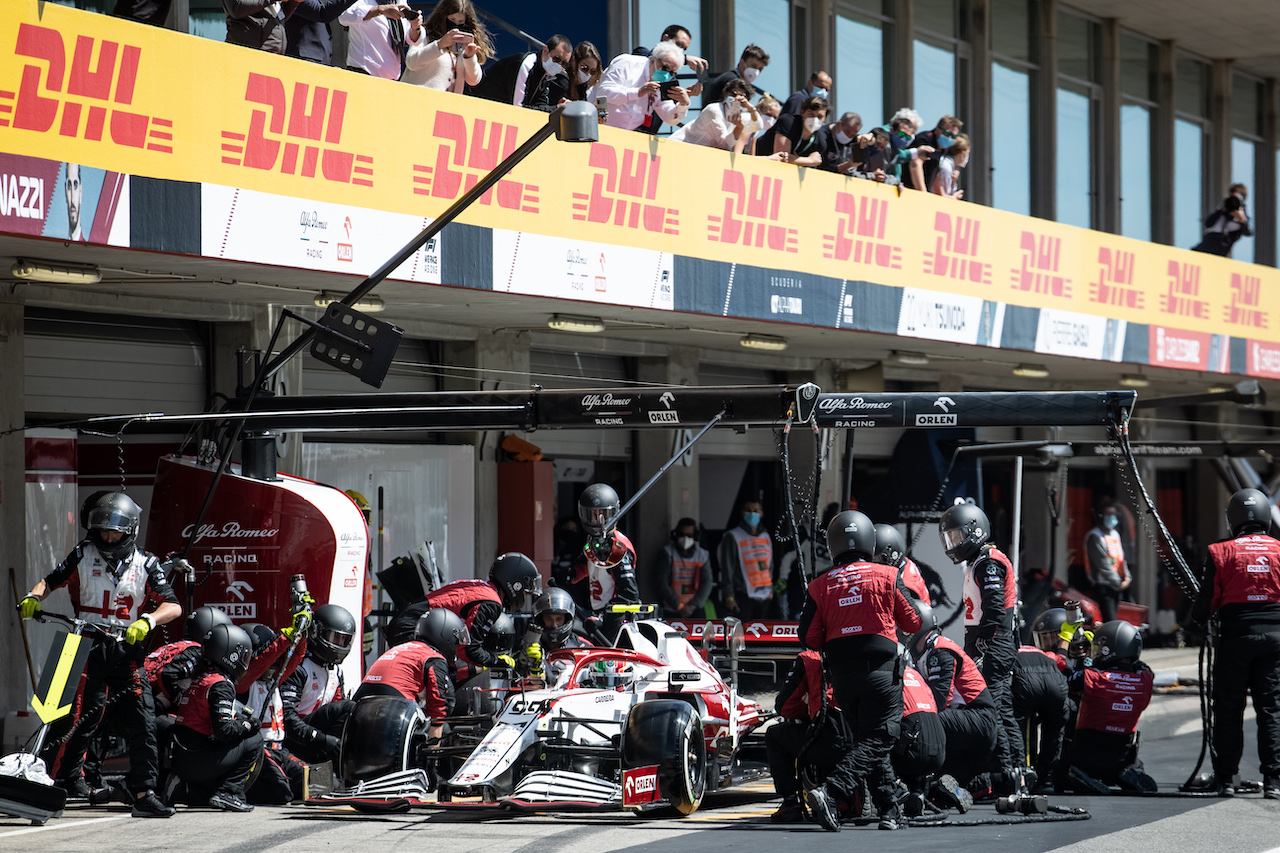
{"x": 1243, "y": 153}
{"x": 1135, "y": 171}
{"x": 860, "y": 65}
{"x": 656, "y": 15}
{"x": 1245, "y": 99}
{"x": 1012, "y": 23}
{"x": 1139, "y": 62}
{"x": 767, "y": 23}
{"x": 1010, "y": 142}
{"x": 936, "y": 16}
{"x": 1078, "y": 48}
{"x": 1188, "y": 182}
{"x": 1191, "y": 91}
{"x": 935, "y": 82}
{"x": 207, "y": 19}
{"x": 1075, "y": 167}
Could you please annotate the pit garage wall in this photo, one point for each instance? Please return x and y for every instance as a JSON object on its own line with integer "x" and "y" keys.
{"x": 630, "y": 220}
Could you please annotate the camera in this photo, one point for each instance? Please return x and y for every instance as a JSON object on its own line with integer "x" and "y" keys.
{"x": 412, "y": 14}
{"x": 664, "y": 89}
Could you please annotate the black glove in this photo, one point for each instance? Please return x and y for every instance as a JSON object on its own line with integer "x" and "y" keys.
{"x": 330, "y": 744}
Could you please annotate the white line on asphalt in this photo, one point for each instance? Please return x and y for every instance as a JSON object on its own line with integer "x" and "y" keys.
{"x": 58, "y": 826}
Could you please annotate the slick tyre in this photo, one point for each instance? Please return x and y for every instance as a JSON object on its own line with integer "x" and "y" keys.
{"x": 668, "y": 733}
{"x": 379, "y": 738}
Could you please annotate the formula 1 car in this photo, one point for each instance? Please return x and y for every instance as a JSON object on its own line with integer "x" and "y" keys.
{"x": 646, "y": 724}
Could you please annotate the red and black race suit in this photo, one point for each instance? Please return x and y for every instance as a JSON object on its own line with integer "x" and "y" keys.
{"x": 917, "y": 695}
{"x": 856, "y": 609}
{"x": 801, "y": 695}
{"x": 1242, "y": 585}
{"x": 1040, "y": 695}
{"x": 171, "y": 665}
{"x": 208, "y": 708}
{"x": 418, "y": 672}
{"x": 1112, "y": 700}
{"x": 912, "y": 579}
{"x": 477, "y": 603}
{"x": 952, "y": 675}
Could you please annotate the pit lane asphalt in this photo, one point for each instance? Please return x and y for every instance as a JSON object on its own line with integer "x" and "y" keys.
{"x": 738, "y": 819}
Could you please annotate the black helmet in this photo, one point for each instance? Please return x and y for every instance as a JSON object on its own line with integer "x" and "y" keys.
{"x": 598, "y": 507}
{"x": 1116, "y": 643}
{"x": 333, "y": 630}
{"x": 118, "y": 512}
{"x": 1046, "y": 631}
{"x": 890, "y": 548}
{"x": 203, "y": 620}
{"x": 515, "y": 576}
{"x": 443, "y": 630}
{"x": 229, "y": 650}
{"x": 928, "y": 624}
{"x": 851, "y": 535}
{"x": 554, "y": 600}
{"x": 501, "y": 638}
{"x": 88, "y": 505}
{"x": 261, "y": 634}
{"x": 1248, "y": 507}
{"x": 964, "y": 529}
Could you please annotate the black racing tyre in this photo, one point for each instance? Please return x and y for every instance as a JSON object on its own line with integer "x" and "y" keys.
{"x": 378, "y": 738}
{"x": 668, "y": 733}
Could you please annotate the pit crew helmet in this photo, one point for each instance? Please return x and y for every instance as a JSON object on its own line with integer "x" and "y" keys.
{"x": 333, "y": 630}
{"x": 598, "y": 507}
{"x": 516, "y": 578}
{"x": 928, "y": 624}
{"x": 1116, "y": 643}
{"x": 118, "y": 512}
{"x": 261, "y": 635}
{"x": 229, "y": 650}
{"x": 554, "y": 600}
{"x": 501, "y": 638}
{"x": 1046, "y": 631}
{"x": 891, "y": 550}
{"x": 964, "y": 529}
{"x": 443, "y": 630}
{"x": 851, "y": 535}
{"x": 203, "y": 620}
{"x": 1248, "y": 507}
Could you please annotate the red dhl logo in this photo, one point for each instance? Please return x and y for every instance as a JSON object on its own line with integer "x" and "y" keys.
{"x": 1114, "y": 285}
{"x": 463, "y": 158}
{"x": 751, "y": 213}
{"x": 625, "y": 194}
{"x": 1246, "y": 292}
{"x": 860, "y": 229}
{"x": 288, "y": 134}
{"x": 93, "y": 92}
{"x": 1184, "y": 287}
{"x": 957, "y": 250}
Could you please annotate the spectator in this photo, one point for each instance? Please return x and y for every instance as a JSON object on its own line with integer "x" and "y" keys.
{"x": 819, "y": 87}
{"x": 682, "y": 38}
{"x": 256, "y": 23}
{"x": 839, "y": 143}
{"x": 794, "y": 139}
{"x": 750, "y": 64}
{"x": 769, "y": 109}
{"x": 745, "y": 555}
{"x": 940, "y": 138}
{"x": 455, "y": 47}
{"x": 585, "y": 68}
{"x": 643, "y": 91}
{"x": 902, "y": 133}
{"x": 946, "y": 179}
{"x": 307, "y": 34}
{"x": 151, "y": 12}
{"x": 376, "y": 37}
{"x": 512, "y": 78}
{"x": 877, "y": 153}
{"x": 1227, "y": 224}
{"x": 728, "y": 124}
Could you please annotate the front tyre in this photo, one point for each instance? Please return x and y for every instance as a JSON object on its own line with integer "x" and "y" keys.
{"x": 668, "y": 733}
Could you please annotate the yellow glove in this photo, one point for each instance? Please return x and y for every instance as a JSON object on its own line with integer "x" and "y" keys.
{"x": 506, "y": 661}
{"x": 1069, "y": 629}
{"x": 28, "y": 607}
{"x": 137, "y": 632}
{"x": 301, "y": 619}
{"x": 534, "y": 653}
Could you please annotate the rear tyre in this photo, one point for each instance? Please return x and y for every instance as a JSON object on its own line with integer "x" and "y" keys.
{"x": 668, "y": 733}
{"x": 379, "y": 738}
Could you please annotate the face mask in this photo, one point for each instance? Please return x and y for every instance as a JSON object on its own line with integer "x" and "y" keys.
{"x": 818, "y": 93}
{"x": 750, "y": 74}
{"x": 662, "y": 75}
{"x": 685, "y": 543}
{"x": 842, "y": 139}
{"x": 583, "y": 77}
{"x": 751, "y": 519}
{"x": 945, "y": 141}
{"x": 550, "y": 66}
{"x": 812, "y": 123}
{"x": 1110, "y": 522}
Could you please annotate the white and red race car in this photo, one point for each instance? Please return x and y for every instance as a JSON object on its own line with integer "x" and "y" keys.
{"x": 646, "y": 724}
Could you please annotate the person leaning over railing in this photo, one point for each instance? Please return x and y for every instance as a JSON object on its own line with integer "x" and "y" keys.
{"x": 456, "y": 44}
{"x": 728, "y": 124}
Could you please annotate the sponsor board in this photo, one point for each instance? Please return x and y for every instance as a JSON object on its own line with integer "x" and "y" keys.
{"x": 562, "y": 268}
{"x": 1079, "y": 335}
{"x": 639, "y": 786}
{"x": 950, "y": 317}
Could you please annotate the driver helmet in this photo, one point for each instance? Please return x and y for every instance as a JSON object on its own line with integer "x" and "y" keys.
{"x": 610, "y": 674}
{"x": 554, "y": 601}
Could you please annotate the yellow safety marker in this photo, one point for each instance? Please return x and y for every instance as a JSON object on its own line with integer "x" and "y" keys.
{"x": 60, "y": 678}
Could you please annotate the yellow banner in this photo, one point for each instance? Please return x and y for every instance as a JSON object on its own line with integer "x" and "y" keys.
{"x": 115, "y": 95}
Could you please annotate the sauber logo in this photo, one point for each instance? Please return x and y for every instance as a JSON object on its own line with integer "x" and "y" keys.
{"x": 90, "y": 96}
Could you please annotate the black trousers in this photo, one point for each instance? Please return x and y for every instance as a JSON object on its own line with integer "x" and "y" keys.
{"x": 209, "y": 767}
{"x": 870, "y": 695}
{"x": 1246, "y": 662}
{"x": 1108, "y": 600}
{"x": 1103, "y": 755}
{"x": 111, "y": 675}
{"x": 996, "y": 665}
{"x": 1040, "y": 703}
{"x": 784, "y": 742}
{"x": 328, "y": 718}
{"x": 971, "y": 741}
{"x": 921, "y": 749}
{"x": 282, "y": 778}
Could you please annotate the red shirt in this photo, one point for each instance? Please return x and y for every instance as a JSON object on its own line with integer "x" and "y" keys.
{"x": 858, "y": 600}
{"x": 917, "y": 698}
{"x": 806, "y": 700}
{"x": 1246, "y": 571}
{"x": 407, "y": 668}
{"x": 967, "y": 682}
{"x": 1113, "y": 700}
{"x": 462, "y": 597}
{"x": 914, "y": 581}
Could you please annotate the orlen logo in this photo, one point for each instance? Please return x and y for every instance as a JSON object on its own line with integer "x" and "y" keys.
{"x": 94, "y": 92}
{"x": 849, "y": 601}
{"x": 1261, "y": 565}
{"x": 294, "y": 138}
{"x": 1125, "y": 704}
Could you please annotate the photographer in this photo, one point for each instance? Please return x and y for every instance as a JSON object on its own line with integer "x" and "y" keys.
{"x": 456, "y": 46}
{"x": 377, "y": 37}
{"x": 1224, "y": 226}
{"x": 641, "y": 90}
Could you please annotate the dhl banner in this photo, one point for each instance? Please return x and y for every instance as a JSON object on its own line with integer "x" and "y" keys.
{"x": 285, "y": 148}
